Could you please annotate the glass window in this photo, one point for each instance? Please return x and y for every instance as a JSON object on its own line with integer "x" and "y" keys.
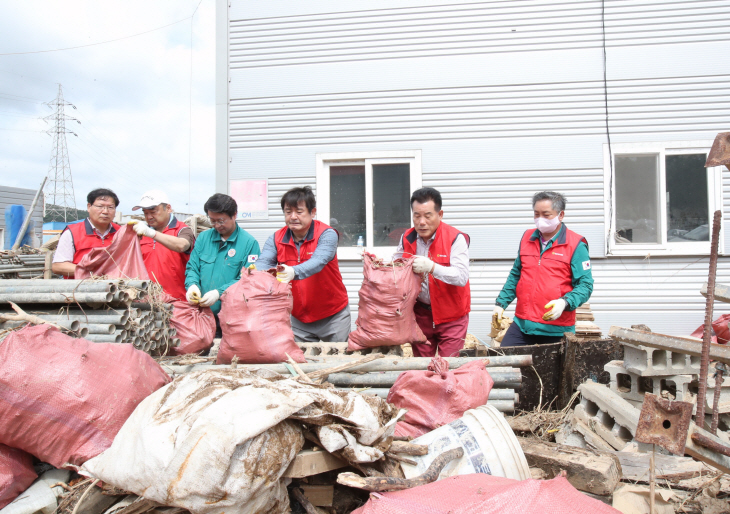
{"x": 637, "y": 199}
{"x": 347, "y": 203}
{"x": 687, "y": 201}
{"x": 391, "y": 211}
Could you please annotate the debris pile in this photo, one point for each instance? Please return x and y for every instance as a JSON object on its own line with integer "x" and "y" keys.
{"x": 25, "y": 263}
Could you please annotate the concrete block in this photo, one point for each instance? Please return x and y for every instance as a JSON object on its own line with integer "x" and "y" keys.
{"x": 607, "y": 414}
{"x": 631, "y": 386}
{"x": 724, "y": 406}
{"x": 646, "y": 361}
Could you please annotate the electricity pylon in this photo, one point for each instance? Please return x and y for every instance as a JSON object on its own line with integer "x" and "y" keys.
{"x": 60, "y": 202}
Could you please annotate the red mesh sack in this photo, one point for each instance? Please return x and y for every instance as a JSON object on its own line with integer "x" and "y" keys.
{"x": 255, "y": 320}
{"x": 385, "y": 313}
{"x": 195, "y": 327}
{"x": 16, "y": 473}
{"x": 721, "y": 332}
{"x": 486, "y": 494}
{"x": 438, "y": 396}
{"x": 64, "y": 399}
{"x": 121, "y": 259}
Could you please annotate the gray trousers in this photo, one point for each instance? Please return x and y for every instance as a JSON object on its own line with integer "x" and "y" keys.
{"x": 332, "y": 329}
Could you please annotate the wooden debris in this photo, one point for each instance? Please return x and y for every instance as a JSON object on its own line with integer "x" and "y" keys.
{"x": 635, "y": 466}
{"x": 304, "y": 502}
{"x": 323, "y": 373}
{"x": 391, "y": 468}
{"x": 408, "y": 448}
{"x": 309, "y": 462}
{"x": 397, "y": 484}
{"x": 319, "y": 495}
{"x": 587, "y": 470}
{"x": 401, "y": 459}
{"x": 94, "y": 500}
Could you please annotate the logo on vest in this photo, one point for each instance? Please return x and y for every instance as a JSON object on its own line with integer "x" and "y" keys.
{"x": 439, "y": 255}
{"x": 586, "y": 265}
{"x": 556, "y": 253}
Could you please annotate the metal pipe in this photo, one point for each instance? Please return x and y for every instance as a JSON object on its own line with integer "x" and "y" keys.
{"x": 707, "y": 334}
{"x": 28, "y": 216}
{"x": 72, "y": 326}
{"x": 100, "y": 328}
{"x": 52, "y": 281}
{"x": 92, "y": 317}
{"x": 56, "y": 298}
{"x": 83, "y": 332}
{"x": 494, "y": 394}
{"x": 719, "y": 371}
{"x": 388, "y": 378}
{"x": 56, "y": 288}
{"x": 104, "y": 338}
{"x": 138, "y": 284}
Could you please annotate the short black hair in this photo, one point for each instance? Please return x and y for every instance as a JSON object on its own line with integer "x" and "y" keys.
{"x": 425, "y": 194}
{"x": 98, "y": 193}
{"x": 299, "y": 194}
{"x": 221, "y": 203}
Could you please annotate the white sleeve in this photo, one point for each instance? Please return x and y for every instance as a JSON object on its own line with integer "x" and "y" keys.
{"x": 65, "y": 250}
{"x": 458, "y": 273}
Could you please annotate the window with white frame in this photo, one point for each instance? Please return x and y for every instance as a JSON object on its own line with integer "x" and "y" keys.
{"x": 365, "y": 196}
{"x": 662, "y": 198}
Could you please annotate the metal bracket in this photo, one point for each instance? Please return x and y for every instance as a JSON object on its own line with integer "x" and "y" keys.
{"x": 664, "y": 422}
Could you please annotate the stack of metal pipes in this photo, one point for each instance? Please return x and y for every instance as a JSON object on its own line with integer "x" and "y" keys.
{"x": 23, "y": 266}
{"x": 103, "y": 311}
{"x": 377, "y": 377}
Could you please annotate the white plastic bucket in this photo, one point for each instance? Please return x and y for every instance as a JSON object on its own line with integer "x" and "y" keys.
{"x": 489, "y": 446}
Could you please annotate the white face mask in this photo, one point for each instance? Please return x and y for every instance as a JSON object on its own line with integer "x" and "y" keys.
{"x": 547, "y": 226}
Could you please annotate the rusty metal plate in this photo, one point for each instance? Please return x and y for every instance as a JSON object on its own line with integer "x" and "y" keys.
{"x": 664, "y": 422}
{"x": 720, "y": 151}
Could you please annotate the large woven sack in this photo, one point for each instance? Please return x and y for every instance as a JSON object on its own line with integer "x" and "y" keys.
{"x": 255, "y": 321}
{"x": 121, "y": 259}
{"x": 721, "y": 332}
{"x": 487, "y": 494}
{"x": 195, "y": 327}
{"x": 438, "y": 396}
{"x": 64, "y": 399}
{"x": 16, "y": 473}
{"x": 385, "y": 313}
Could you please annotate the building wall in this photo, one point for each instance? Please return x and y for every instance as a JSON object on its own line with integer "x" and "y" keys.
{"x": 24, "y": 197}
{"x": 502, "y": 98}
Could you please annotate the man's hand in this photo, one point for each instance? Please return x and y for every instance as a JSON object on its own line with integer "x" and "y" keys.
{"x": 209, "y": 298}
{"x": 193, "y": 295}
{"x": 558, "y": 306}
{"x": 423, "y": 265}
{"x": 497, "y": 314}
{"x": 143, "y": 229}
{"x": 286, "y": 275}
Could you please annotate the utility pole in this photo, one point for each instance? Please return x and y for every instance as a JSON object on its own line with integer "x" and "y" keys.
{"x": 60, "y": 202}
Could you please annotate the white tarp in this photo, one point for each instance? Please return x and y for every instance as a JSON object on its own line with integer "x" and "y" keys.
{"x": 219, "y": 440}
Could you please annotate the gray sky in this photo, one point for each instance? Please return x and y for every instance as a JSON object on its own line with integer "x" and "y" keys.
{"x": 132, "y": 96}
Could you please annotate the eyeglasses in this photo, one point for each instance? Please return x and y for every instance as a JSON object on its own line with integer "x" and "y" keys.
{"x": 106, "y": 208}
{"x": 220, "y": 223}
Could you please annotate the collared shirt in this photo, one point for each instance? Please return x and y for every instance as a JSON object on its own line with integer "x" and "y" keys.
{"x": 216, "y": 263}
{"x": 324, "y": 253}
{"x": 457, "y": 274}
{"x": 66, "y": 249}
{"x": 582, "y": 287}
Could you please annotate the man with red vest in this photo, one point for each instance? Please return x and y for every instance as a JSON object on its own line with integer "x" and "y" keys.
{"x": 551, "y": 277}
{"x": 95, "y": 231}
{"x": 442, "y": 308}
{"x": 166, "y": 243}
{"x": 306, "y": 249}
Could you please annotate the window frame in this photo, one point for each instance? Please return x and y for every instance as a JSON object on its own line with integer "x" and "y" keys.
{"x": 661, "y": 150}
{"x": 367, "y": 159}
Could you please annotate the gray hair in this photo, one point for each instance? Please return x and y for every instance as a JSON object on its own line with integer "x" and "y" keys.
{"x": 557, "y": 199}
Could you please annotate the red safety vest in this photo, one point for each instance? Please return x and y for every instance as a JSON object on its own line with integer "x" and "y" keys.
{"x": 165, "y": 266}
{"x": 547, "y": 277}
{"x": 448, "y": 303}
{"x": 320, "y": 295}
{"x": 85, "y": 238}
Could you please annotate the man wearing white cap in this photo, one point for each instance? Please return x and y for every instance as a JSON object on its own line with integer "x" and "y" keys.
{"x": 166, "y": 243}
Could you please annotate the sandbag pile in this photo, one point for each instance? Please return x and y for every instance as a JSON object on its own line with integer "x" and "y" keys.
{"x": 385, "y": 312}
{"x": 255, "y": 320}
{"x": 438, "y": 396}
{"x": 219, "y": 440}
{"x": 63, "y": 399}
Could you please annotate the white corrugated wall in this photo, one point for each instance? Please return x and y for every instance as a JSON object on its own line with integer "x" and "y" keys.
{"x": 502, "y": 98}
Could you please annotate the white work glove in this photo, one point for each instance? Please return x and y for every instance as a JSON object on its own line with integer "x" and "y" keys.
{"x": 423, "y": 265}
{"x": 193, "y": 295}
{"x": 558, "y": 306}
{"x": 209, "y": 298}
{"x": 143, "y": 229}
{"x": 497, "y": 314}
{"x": 286, "y": 275}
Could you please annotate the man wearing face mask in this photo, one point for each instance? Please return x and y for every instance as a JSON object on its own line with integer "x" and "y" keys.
{"x": 551, "y": 277}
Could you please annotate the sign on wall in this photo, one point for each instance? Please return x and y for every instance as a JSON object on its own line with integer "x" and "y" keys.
{"x": 252, "y": 197}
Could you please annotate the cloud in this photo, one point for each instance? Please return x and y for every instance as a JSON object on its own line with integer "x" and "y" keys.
{"x": 133, "y": 97}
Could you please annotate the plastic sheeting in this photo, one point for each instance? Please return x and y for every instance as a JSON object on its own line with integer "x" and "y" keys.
{"x": 486, "y": 494}
{"x": 121, "y": 259}
{"x": 255, "y": 320}
{"x": 195, "y": 327}
{"x": 64, "y": 399}
{"x": 218, "y": 441}
{"x": 385, "y": 313}
{"x": 438, "y": 396}
{"x": 16, "y": 473}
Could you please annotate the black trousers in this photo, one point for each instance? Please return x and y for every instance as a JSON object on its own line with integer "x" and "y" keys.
{"x": 515, "y": 337}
